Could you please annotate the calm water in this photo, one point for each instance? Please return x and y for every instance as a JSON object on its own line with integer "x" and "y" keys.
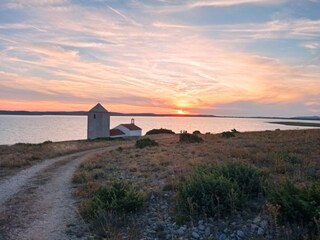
{"x": 37, "y": 129}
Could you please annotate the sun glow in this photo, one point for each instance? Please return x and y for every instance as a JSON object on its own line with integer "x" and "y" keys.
{"x": 180, "y": 112}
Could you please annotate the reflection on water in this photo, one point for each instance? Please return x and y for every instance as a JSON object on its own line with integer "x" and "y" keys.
{"x": 36, "y": 129}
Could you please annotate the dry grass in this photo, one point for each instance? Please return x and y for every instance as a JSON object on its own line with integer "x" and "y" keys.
{"x": 290, "y": 155}
{"x": 18, "y": 156}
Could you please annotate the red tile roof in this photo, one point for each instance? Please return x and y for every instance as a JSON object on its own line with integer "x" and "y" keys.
{"x": 131, "y": 127}
{"x": 116, "y": 132}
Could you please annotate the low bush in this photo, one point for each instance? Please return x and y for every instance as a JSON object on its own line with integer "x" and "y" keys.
{"x": 228, "y": 134}
{"x": 190, "y": 138}
{"x": 196, "y": 132}
{"x": 209, "y": 195}
{"x": 219, "y": 189}
{"x": 297, "y": 205}
{"x": 160, "y": 131}
{"x": 146, "y": 142}
{"x": 251, "y": 180}
{"x": 119, "y": 197}
{"x": 79, "y": 178}
{"x": 288, "y": 157}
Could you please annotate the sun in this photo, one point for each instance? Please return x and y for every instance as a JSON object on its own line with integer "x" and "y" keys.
{"x": 180, "y": 111}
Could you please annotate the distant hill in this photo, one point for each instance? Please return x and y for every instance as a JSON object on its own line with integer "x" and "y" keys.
{"x": 307, "y": 118}
{"x": 83, "y": 113}
{"x": 5, "y": 112}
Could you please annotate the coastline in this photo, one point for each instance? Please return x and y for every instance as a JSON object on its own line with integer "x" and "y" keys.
{"x": 298, "y": 124}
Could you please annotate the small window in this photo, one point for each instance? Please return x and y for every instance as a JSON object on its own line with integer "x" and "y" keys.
{"x": 94, "y": 116}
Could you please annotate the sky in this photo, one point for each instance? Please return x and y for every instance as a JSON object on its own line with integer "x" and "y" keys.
{"x": 222, "y": 57}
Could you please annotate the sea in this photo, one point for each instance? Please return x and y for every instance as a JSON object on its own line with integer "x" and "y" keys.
{"x": 37, "y": 129}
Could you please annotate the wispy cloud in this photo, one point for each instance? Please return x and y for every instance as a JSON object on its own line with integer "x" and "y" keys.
{"x": 187, "y": 5}
{"x": 141, "y": 63}
{"x": 224, "y": 3}
{"x": 311, "y": 45}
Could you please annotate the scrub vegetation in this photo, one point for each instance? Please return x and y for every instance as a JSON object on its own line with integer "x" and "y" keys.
{"x": 146, "y": 142}
{"x": 219, "y": 189}
{"x": 271, "y": 174}
{"x": 160, "y": 131}
{"x": 190, "y": 138}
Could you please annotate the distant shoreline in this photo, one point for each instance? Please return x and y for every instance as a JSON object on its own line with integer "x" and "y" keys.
{"x": 299, "y": 124}
{"x": 84, "y": 113}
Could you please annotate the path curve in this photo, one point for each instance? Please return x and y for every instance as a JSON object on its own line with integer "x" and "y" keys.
{"x": 38, "y": 201}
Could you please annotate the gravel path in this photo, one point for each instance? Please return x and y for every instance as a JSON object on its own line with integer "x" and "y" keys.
{"x": 37, "y": 203}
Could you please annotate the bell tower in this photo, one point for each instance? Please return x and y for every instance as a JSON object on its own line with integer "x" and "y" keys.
{"x": 98, "y": 122}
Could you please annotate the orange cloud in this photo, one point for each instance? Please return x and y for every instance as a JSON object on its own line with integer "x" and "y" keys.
{"x": 133, "y": 66}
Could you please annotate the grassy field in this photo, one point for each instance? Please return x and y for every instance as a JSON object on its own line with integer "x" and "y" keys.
{"x": 160, "y": 170}
{"x": 18, "y": 156}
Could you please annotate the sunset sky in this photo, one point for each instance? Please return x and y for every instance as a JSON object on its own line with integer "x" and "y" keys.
{"x": 223, "y": 57}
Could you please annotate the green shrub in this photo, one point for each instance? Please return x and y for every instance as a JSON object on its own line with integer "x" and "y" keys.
{"x": 145, "y": 142}
{"x": 297, "y": 205}
{"x": 119, "y": 197}
{"x": 196, "y": 132}
{"x": 160, "y": 131}
{"x": 234, "y": 130}
{"x": 228, "y": 134}
{"x": 288, "y": 157}
{"x": 218, "y": 189}
{"x": 251, "y": 180}
{"x": 208, "y": 194}
{"x": 190, "y": 138}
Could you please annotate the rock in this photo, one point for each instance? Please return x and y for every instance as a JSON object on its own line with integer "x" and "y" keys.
{"x": 223, "y": 237}
{"x": 254, "y": 226}
{"x": 200, "y": 222}
{"x": 152, "y": 197}
{"x": 264, "y": 224}
{"x": 260, "y": 231}
{"x": 152, "y": 231}
{"x": 160, "y": 225}
{"x": 201, "y": 227}
{"x": 207, "y": 232}
{"x": 257, "y": 220}
{"x": 240, "y": 234}
{"x": 195, "y": 235}
{"x": 181, "y": 231}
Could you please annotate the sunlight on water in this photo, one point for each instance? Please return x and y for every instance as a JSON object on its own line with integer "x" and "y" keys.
{"x": 37, "y": 129}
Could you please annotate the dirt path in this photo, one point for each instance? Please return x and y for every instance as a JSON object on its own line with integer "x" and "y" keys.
{"x": 37, "y": 203}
